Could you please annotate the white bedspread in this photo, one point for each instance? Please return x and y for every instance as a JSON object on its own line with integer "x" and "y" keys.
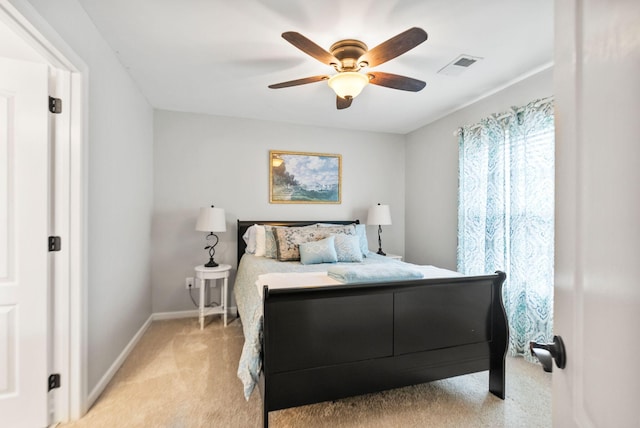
{"x": 435, "y": 272}
{"x": 294, "y": 280}
{"x": 279, "y": 280}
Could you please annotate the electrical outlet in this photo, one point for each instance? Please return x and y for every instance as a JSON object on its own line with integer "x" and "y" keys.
{"x": 189, "y": 283}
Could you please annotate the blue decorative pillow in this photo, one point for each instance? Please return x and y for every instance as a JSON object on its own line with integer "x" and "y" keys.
{"x": 322, "y": 251}
{"x": 288, "y": 239}
{"x": 361, "y": 232}
{"x": 348, "y": 248}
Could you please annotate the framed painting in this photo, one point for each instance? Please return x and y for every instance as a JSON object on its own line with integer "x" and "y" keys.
{"x": 304, "y": 178}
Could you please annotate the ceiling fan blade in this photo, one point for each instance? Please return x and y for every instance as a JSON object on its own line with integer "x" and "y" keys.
{"x": 342, "y": 103}
{"x": 310, "y": 48}
{"x": 297, "y": 82}
{"x": 396, "y": 81}
{"x": 394, "y": 47}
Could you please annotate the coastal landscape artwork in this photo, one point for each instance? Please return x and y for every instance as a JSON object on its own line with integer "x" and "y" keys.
{"x": 304, "y": 178}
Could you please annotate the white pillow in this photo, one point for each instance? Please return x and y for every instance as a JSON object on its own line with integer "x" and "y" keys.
{"x": 249, "y": 239}
{"x": 260, "y": 240}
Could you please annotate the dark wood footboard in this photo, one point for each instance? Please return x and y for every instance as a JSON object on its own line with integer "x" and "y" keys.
{"x": 327, "y": 343}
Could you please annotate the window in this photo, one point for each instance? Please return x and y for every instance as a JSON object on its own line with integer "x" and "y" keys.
{"x": 506, "y": 214}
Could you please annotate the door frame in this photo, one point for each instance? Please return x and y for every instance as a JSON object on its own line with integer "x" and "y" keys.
{"x": 66, "y": 289}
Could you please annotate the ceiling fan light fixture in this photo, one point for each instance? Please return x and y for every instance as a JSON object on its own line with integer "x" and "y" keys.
{"x": 348, "y": 83}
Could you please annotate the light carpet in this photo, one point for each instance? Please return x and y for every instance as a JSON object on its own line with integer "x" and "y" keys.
{"x": 179, "y": 376}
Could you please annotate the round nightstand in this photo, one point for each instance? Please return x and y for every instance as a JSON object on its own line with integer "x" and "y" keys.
{"x": 205, "y": 275}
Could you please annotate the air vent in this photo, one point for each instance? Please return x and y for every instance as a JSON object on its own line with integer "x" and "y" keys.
{"x": 459, "y": 65}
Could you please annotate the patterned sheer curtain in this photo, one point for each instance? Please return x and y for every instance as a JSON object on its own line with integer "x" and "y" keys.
{"x": 505, "y": 214}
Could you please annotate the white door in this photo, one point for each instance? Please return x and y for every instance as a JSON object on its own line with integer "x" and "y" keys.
{"x": 597, "y": 298}
{"x": 24, "y": 169}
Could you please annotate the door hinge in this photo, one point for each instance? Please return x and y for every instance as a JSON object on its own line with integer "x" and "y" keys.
{"x": 55, "y": 105}
{"x": 54, "y": 381}
{"x": 54, "y": 243}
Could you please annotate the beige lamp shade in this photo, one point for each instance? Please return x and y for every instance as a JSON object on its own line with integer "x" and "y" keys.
{"x": 379, "y": 215}
{"x": 211, "y": 219}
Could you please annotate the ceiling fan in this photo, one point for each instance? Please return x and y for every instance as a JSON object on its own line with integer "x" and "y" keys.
{"x": 349, "y": 56}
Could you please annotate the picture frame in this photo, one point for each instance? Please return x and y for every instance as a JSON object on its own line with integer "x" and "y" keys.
{"x": 304, "y": 178}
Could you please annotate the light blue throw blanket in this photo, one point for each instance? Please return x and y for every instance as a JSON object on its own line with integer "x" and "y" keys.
{"x": 373, "y": 273}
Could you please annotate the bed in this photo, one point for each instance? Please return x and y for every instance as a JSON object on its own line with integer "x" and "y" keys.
{"x": 319, "y": 342}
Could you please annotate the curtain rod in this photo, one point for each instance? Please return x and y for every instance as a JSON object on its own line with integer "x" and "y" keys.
{"x": 500, "y": 116}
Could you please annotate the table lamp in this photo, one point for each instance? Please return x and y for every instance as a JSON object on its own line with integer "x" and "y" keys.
{"x": 380, "y": 215}
{"x": 211, "y": 220}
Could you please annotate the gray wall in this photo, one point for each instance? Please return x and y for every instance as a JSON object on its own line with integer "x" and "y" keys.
{"x": 432, "y": 172}
{"x": 120, "y": 190}
{"x": 201, "y": 160}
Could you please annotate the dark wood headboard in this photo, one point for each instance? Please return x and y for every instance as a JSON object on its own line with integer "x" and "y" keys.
{"x": 243, "y": 225}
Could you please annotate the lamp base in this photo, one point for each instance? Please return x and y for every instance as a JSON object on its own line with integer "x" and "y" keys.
{"x": 211, "y": 263}
{"x": 382, "y": 253}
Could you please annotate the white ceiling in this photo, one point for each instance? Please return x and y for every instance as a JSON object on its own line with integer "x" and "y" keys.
{"x": 219, "y": 56}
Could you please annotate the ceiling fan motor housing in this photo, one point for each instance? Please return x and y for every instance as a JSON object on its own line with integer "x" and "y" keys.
{"x": 348, "y": 52}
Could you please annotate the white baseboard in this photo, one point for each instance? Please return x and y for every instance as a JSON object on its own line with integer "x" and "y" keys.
{"x": 159, "y": 316}
{"x": 104, "y": 381}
